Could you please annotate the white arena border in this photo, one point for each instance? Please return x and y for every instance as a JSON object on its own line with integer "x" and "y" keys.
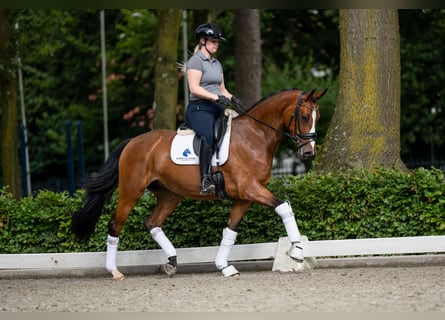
{"x": 342, "y": 250}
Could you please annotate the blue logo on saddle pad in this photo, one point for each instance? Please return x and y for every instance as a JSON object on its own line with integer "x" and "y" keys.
{"x": 186, "y": 152}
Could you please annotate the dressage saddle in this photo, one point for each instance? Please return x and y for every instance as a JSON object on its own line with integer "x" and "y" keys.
{"x": 219, "y": 130}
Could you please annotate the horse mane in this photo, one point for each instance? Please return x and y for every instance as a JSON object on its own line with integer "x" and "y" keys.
{"x": 269, "y": 96}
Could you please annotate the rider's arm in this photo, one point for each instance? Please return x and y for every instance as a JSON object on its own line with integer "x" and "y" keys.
{"x": 194, "y": 78}
{"x": 224, "y": 91}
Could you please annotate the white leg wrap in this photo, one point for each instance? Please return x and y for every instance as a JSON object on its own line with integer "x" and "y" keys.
{"x": 229, "y": 237}
{"x": 284, "y": 210}
{"x": 165, "y": 244}
{"x": 112, "y": 243}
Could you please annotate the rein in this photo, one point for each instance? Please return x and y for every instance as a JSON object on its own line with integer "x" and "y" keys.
{"x": 312, "y": 136}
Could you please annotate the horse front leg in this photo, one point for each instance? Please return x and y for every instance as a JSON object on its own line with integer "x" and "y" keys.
{"x": 284, "y": 210}
{"x": 238, "y": 211}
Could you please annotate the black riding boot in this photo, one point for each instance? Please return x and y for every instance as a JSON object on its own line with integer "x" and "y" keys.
{"x": 205, "y": 158}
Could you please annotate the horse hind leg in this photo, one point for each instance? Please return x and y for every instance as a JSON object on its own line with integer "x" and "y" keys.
{"x": 165, "y": 205}
{"x": 114, "y": 228}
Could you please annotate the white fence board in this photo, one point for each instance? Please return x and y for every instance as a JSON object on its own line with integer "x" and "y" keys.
{"x": 331, "y": 248}
{"x": 260, "y": 251}
{"x": 133, "y": 258}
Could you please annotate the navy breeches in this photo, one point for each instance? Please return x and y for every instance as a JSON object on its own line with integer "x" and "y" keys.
{"x": 201, "y": 115}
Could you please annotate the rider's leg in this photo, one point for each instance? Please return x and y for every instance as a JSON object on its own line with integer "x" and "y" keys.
{"x": 205, "y": 158}
{"x": 201, "y": 117}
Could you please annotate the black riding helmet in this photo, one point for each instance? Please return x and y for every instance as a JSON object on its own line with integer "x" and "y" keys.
{"x": 208, "y": 31}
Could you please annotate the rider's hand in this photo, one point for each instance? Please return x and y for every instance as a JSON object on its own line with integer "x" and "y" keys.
{"x": 223, "y": 100}
{"x": 238, "y": 105}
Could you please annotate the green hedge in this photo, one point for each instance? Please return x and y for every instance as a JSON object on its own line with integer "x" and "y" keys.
{"x": 358, "y": 204}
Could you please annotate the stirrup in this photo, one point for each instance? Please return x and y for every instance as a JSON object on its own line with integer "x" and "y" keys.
{"x": 207, "y": 187}
{"x": 208, "y": 191}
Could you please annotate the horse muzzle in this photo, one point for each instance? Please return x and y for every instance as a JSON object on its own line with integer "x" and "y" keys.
{"x": 306, "y": 155}
{"x": 306, "y": 146}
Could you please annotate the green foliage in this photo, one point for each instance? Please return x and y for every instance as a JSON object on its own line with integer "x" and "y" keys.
{"x": 386, "y": 203}
{"x": 61, "y": 64}
{"x": 423, "y": 95}
{"x": 357, "y": 204}
{"x": 301, "y": 74}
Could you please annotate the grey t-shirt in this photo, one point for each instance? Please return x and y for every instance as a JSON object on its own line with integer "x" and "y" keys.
{"x": 212, "y": 73}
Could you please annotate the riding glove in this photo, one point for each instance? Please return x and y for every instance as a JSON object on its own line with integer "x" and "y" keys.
{"x": 223, "y": 100}
{"x": 238, "y": 105}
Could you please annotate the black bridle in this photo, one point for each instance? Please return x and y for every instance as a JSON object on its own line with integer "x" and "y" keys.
{"x": 310, "y": 137}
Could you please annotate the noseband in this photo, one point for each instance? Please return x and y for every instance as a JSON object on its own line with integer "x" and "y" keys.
{"x": 310, "y": 137}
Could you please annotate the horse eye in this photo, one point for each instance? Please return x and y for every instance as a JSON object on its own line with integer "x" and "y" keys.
{"x": 305, "y": 118}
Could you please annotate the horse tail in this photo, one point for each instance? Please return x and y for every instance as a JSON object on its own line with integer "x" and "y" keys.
{"x": 98, "y": 190}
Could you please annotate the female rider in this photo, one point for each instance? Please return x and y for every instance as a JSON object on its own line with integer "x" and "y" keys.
{"x": 208, "y": 97}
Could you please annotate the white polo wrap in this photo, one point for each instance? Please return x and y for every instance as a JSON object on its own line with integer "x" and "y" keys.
{"x": 159, "y": 236}
{"x": 229, "y": 237}
{"x": 284, "y": 210}
{"x": 112, "y": 243}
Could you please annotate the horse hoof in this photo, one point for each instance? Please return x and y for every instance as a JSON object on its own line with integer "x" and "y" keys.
{"x": 230, "y": 271}
{"x": 169, "y": 269}
{"x": 296, "y": 252}
{"x": 117, "y": 276}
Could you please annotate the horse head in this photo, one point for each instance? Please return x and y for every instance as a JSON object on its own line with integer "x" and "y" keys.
{"x": 301, "y": 120}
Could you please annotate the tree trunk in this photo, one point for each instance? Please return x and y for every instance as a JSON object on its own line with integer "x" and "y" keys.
{"x": 8, "y": 105}
{"x": 365, "y": 127}
{"x": 248, "y": 55}
{"x": 166, "y": 72}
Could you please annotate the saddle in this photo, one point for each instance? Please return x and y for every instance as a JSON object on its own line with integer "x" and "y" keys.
{"x": 181, "y": 153}
{"x": 219, "y": 130}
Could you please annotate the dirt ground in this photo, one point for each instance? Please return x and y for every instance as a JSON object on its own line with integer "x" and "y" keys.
{"x": 333, "y": 289}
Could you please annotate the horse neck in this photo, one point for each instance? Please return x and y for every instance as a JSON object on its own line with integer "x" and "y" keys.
{"x": 271, "y": 111}
{"x": 269, "y": 114}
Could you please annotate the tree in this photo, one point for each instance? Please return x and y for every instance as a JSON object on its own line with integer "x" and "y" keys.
{"x": 8, "y": 105}
{"x": 365, "y": 127}
{"x": 248, "y": 55}
{"x": 166, "y": 74}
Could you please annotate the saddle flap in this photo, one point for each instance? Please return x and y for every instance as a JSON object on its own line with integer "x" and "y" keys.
{"x": 219, "y": 129}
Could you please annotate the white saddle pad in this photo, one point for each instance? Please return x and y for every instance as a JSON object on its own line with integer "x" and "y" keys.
{"x": 181, "y": 151}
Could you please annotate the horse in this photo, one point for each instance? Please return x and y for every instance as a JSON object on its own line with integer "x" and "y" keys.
{"x": 143, "y": 163}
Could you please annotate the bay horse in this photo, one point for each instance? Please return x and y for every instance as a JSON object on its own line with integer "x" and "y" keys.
{"x": 143, "y": 163}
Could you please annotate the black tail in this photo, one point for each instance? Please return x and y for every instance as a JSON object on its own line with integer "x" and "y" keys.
{"x": 99, "y": 189}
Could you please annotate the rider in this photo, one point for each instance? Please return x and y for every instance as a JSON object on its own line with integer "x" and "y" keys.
{"x": 208, "y": 96}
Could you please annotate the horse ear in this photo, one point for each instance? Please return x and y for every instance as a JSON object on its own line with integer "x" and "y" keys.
{"x": 310, "y": 94}
{"x": 318, "y": 95}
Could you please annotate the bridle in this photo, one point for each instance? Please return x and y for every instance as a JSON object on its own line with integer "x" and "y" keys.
{"x": 310, "y": 137}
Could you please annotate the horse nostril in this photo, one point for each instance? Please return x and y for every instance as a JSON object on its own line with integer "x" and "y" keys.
{"x": 308, "y": 155}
